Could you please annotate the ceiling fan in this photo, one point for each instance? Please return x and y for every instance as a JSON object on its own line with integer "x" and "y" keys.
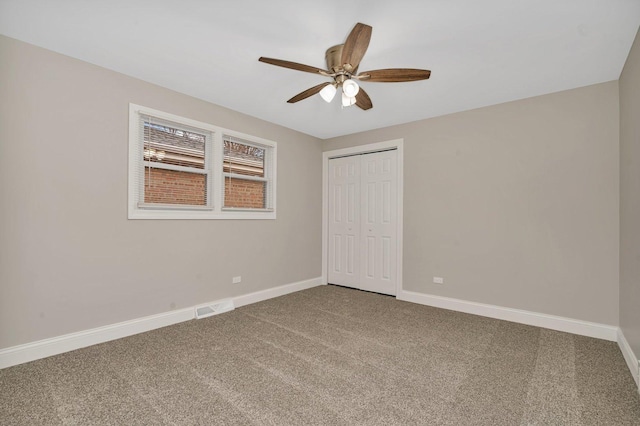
{"x": 343, "y": 61}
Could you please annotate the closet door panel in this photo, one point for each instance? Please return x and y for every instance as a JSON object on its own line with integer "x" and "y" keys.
{"x": 344, "y": 221}
{"x": 379, "y": 222}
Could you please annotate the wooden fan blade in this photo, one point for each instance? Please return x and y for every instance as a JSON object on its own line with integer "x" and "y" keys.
{"x": 363, "y": 100}
{"x": 395, "y": 75}
{"x": 292, "y": 65}
{"x": 356, "y": 45}
{"x": 309, "y": 92}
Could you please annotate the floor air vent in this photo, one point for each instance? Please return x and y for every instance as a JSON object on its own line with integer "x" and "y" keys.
{"x": 205, "y": 311}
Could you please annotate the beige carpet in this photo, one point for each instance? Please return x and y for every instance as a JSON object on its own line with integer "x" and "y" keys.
{"x": 330, "y": 356}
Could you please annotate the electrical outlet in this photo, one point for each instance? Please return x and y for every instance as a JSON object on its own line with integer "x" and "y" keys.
{"x": 237, "y": 279}
{"x": 438, "y": 280}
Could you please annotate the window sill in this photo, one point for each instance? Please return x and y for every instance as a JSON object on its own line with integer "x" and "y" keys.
{"x": 207, "y": 214}
{"x": 181, "y": 207}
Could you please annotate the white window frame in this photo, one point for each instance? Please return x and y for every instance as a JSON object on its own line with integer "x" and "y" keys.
{"x": 213, "y": 160}
{"x": 269, "y": 172}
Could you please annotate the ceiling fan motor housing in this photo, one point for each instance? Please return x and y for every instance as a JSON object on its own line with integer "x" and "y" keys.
{"x": 334, "y": 57}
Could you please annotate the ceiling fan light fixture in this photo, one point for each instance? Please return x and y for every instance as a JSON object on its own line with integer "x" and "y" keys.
{"x": 350, "y": 88}
{"x": 328, "y": 92}
{"x": 348, "y": 100}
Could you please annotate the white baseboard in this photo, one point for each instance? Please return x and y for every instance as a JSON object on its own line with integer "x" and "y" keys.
{"x": 568, "y": 325}
{"x": 56, "y": 345}
{"x": 629, "y": 357}
{"x": 270, "y": 293}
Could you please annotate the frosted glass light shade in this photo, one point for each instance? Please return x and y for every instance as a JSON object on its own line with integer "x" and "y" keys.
{"x": 328, "y": 92}
{"x": 350, "y": 88}
{"x": 347, "y": 100}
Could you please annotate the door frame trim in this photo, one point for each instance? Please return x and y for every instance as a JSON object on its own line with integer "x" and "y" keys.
{"x": 398, "y": 144}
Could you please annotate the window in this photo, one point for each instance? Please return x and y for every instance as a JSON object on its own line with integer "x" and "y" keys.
{"x": 246, "y": 179}
{"x": 173, "y": 157}
{"x": 184, "y": 169}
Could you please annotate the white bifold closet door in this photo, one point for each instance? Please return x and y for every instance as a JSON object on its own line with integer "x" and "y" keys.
{"x": 363, "y": 221}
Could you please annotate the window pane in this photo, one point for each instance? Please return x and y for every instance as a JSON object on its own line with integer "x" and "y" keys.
{"x": 174, "y": 187}
{"x": 243, "y": 159}
{"x": 169, "y": 145}
{"x": 243, "y": 193}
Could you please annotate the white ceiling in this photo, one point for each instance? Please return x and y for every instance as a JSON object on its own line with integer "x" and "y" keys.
{"x": 480, "y": 52}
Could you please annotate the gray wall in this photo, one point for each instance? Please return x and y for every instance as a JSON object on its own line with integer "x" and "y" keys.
{"x": 69, "y": 258}
{"x": 630, "y": 198}
{"x": 516, "y": 204}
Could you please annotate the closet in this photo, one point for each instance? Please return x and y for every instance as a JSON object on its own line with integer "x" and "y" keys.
{"x": 362, "y": 221}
